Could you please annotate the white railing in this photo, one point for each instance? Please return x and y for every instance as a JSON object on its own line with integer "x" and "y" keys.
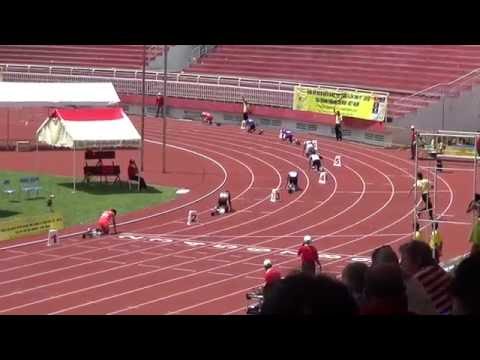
{"x": 178, "y": 89}
{"x": 189, "y": 86}
{"x": 179, "y": 77}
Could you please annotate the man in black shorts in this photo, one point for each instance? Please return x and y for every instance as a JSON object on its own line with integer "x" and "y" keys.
{"x": 250, "y": 125}
{"x": 315, "y": 162}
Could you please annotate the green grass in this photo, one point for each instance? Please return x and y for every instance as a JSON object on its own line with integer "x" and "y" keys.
{"x": 82, "y": 207}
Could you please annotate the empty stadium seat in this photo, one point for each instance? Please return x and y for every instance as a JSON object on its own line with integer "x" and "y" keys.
{"x": 107, "y": 56}
{"x": 399, "y": 69}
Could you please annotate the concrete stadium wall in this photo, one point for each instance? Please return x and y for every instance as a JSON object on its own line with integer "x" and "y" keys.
{"x": 179, "y": 57}
{"x": 461, "y": 113}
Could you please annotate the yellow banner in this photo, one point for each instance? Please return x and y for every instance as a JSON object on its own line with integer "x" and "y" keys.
{"x": 357, "y": 104}
{"x": 30, "y": 225}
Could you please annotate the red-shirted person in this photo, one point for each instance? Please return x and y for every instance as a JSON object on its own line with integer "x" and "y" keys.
{"x": 272, "y": 275}
{"x": 159, "y": 103}
{"x": 207, "y": 117}
{"x": 309, "y": 256}
{"x": 133, "y": 174}
{"x": 106, "y": 219}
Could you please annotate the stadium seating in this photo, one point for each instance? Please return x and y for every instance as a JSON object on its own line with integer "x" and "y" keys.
{"x": 107, "y": 56}
{"x": 401, "y": 70}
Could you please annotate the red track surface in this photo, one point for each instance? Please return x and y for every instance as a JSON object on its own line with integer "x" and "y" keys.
{"x": 159, "y": 265}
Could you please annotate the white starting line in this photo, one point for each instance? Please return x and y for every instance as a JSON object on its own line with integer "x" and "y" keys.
{"x": 227, "y": 247}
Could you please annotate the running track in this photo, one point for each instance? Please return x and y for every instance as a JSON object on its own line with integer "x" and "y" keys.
{"x": 158, "y": 265}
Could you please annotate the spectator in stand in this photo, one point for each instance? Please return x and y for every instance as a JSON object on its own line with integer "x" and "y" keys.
{"x": 384, "y": 255}
{"x": 353, "y": 276}
{"x": 309, "y": 256}
{"x": 466, "y": 286}
{"x": 413, "y": 142}
{"x": 159, "y": 103}
{"x": 301, "y": 294}
{"x": 436, "y": 242}
{"x": 418, "y": 300}
{"x": 385, "y": 291}
{"x": 417, "y": 262}
{"x": 338, "y": 126}
{"x": 133, "y": 174}
{"x": 272, "y": 276}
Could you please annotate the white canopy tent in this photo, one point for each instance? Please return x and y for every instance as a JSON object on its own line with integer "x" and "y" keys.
{"x": 49, "y": 94}
{"x": 90, "y": 128}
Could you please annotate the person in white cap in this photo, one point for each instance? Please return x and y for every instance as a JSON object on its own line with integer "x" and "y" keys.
{"x": 309, "y": 256}
{"x": 413, "y": 142}
{"x": 272, "y": 275}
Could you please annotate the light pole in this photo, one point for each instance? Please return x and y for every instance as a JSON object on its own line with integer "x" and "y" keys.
{"x": 143, "y": 106}
{"x": 164, "y": 112}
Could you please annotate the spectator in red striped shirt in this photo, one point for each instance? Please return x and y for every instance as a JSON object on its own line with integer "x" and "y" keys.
{"x": 309, "y": 256}
{"x": 418, "y": 262}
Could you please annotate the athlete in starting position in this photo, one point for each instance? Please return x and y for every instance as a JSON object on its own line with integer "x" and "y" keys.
{"x": 292, "y": 182}
{"x": 315, "y": 162}
{"x": 103, "y": 224}
{"x": 308, "y": 148}
{"x": 207, "y": 117}
{"x": 224, "y": 204}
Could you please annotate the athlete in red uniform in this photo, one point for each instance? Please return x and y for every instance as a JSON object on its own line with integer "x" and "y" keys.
{"x": 207, "y": 117}
{"x": 107, "y": 218}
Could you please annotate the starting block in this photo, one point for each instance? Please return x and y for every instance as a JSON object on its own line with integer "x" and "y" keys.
{"x": 280, "y": 134}
{"x": 323, "y": 178}
{"x": 275, "y": 195}
{"x": 53, "y": 238}
{"x": 315, "y": 145}
{"x": 337, "y": 161}
{"x": 243, "y": 125}
{"x": 192, "y": 217}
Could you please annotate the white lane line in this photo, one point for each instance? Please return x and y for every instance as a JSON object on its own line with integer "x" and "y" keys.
{"x": 186, "y": 270}
{"x": 220, "y": 273}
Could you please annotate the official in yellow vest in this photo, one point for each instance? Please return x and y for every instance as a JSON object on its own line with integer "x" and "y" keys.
{"x": 418, "y": 234}
{"x": 436, "y": 242}
{"x": 475, "y": 236}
